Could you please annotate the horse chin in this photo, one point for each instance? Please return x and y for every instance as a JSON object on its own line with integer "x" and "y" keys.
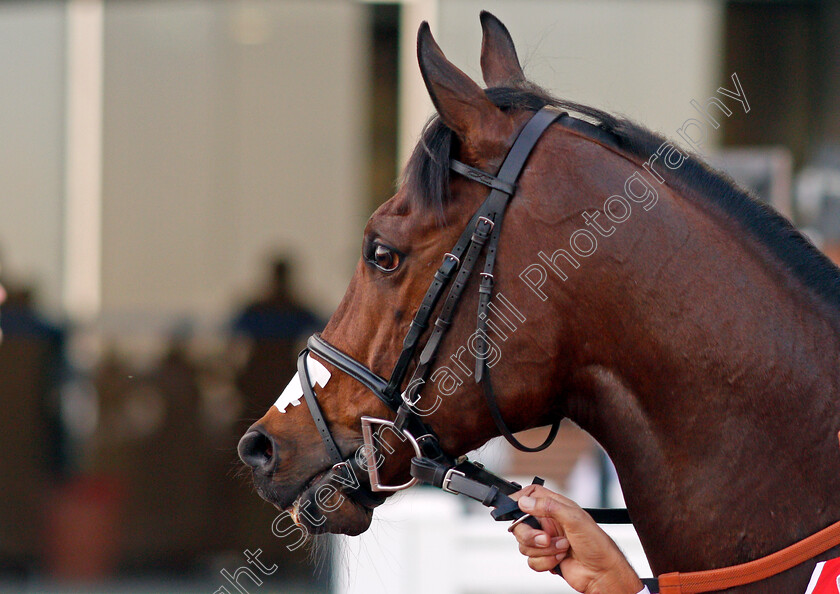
{"x": 338, "y": 514}
{"x": 320, "y": 506}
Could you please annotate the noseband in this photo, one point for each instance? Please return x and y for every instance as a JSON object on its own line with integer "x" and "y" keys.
{"x": 431, "y": 464}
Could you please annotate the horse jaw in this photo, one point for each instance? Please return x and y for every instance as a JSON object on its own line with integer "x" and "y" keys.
{"x": 333, "y": 512}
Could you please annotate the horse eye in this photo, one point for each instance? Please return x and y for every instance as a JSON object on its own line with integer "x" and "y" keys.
{"x": 386, "y": 259}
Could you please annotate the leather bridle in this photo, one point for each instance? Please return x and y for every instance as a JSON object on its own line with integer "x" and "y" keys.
{"x": 461, "y": 476}
{"x": 431, "y": 464}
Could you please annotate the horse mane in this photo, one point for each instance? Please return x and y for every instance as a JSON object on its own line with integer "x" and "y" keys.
{"x": 426, "y": 179}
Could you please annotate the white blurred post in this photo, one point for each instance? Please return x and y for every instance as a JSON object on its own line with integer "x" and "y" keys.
{"x": 415, "y": 107}
{"x": 82, "y": 282}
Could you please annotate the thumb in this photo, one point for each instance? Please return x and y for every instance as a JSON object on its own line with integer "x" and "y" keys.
{"x": 568, "y": 515}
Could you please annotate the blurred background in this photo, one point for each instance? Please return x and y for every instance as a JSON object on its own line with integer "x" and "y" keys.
{"x": 183, "y": 187}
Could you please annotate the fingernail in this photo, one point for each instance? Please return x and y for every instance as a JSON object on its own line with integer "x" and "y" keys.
{"x": 541, "y": 540}
{"x": 560, "y": 556}
{"x": 526, "y": 503}
{"x": 559, "y": 542}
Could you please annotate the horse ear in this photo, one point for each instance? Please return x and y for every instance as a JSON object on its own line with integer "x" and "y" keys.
{"x": 460, "y": 102}
{"x": 499, "y": 63}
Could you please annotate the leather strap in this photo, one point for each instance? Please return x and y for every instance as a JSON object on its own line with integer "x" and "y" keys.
{"x": 451, "y": 264}
{"x": 496, "y": 205}
{"x": 458, "y": 481}
{"x": 347, "y": 364}
{"x": 482, "y": 177}
{"x": 482, "y": 230}
{"x": 315, "y": 410}
{"x": 420, "y": 322}
{"x": 482, "y": 223}
{"x": 353, "y": 485}
{"x": 359, "y": 492}
{"x": 473, "y": 480}
{"x": 754, "y": 571}
{"x": 493, "y": 406}
{"x": 609, "y": 515}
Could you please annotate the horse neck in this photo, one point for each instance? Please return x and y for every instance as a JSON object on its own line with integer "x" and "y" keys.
{"x": 710, "y": 378}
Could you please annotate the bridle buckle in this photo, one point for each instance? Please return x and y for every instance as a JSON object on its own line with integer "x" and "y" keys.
{"x": 487, "y": 221}
{"x": 370, "y": 452}
{"x": 344, "y": 467}
{"x": 453, "y": 257}
{"x": 411, "y": 395}
{"x": 447, "y": 480}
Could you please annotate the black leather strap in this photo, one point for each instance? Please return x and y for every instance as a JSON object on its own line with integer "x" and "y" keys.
{"x": 526, "y": 141}
{"x": 352, "y": 476}
{"x": 497, "y": 204}
{"x": 496, "y": 414}
{"x": 485, "y": 292}
{"x": 361, "y": 373}
{"x": 471, "y": 479}
{"x": 352, "y": 485}
{"x": 482, "y": 177}
{"x": 482, "y": 223}
{"x": 609, "y": 515}
{"x": 451, "y": 264}
{"x": 481, "y": 232}
{"x": 454, "y": 479}
{"x": 309, "y": 395}
{"x": 420, "y": 322}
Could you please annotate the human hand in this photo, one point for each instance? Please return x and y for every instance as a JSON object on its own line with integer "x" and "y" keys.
{"x": 572, "y": 542}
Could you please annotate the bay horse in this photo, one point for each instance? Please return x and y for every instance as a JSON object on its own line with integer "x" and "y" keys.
{"x": 690, "y": 330}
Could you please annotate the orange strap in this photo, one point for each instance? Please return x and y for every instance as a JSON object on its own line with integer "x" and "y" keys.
{"x": 754, "y": 571}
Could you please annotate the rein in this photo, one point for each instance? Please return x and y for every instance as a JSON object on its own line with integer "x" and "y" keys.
{"x": 461, "y": 476}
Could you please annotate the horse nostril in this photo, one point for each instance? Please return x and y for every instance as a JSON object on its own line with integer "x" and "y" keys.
{"x": 256, "y": 449}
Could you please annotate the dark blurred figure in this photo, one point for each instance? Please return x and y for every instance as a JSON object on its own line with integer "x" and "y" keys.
{"x": 275, "y": 327}
{"x": 268, "y": 333}
{"x": 32, "y": 365}
{"x": 21, "y": 319}
{"x": 173, "y": 495}
{"x": 3, "y": 296}
{"x": 24, "y": 329}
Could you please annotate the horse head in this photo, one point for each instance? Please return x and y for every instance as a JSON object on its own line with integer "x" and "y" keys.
{"x": 671, "y": 347}
{"x": 706, "y": 311}
{"x": 404, "y": 241}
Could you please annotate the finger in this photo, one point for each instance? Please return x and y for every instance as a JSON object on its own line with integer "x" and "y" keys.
{"x": 537, "y": 538}
{"x": 570, "y": 517}
{"x": 538, "y": 491}
{"x": 557, "y": 546}
{"x": 531, "y": 536}
{"x": 545, "y": 563}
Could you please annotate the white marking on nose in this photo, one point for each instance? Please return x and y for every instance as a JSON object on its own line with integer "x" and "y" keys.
{"x": 318, "y": 374}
